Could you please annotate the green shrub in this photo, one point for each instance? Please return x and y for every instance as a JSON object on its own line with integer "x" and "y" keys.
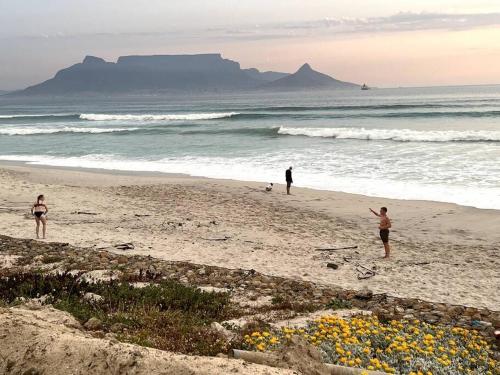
{"x": 166, "y": 315}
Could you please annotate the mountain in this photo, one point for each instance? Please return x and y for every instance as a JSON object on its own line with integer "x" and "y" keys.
{"x": 173, "y": 73}
{"x": 307, "y": 78}
{"x": 265, "y": 76}
{"x": 205, "y": 72}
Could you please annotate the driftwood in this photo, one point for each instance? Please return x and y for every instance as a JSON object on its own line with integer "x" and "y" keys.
{"x": 142, "y": 215}
{"x": 84, "y": 213}
{"x": 335, "y": 248}
{"x": 125, "y": 246}
{"x": 418, "y": 264}
{"x": 332, "y": 266}
{"x": 225, "y": 238}
{"x": 364, "y": 272}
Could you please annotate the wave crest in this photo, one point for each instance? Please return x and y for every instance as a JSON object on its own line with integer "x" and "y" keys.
{"x": 35, "y": 131}
{"x": 401, "y": 135}
{"x": 152, "y": 117}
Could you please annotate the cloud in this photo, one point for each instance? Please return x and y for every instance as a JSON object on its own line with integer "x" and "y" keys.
{"x": 399, "y": 22}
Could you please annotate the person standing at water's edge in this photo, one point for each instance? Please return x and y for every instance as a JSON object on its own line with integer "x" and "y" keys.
{"x": 289, "y": 180}
{"x": 40, "y": 210}
{"x": 385, "y": 224}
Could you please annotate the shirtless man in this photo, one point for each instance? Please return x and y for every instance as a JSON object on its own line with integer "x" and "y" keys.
{"x": 385, "y": 224}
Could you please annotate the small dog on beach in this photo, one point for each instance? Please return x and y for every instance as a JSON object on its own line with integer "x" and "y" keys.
{"x": 269, "y": 187}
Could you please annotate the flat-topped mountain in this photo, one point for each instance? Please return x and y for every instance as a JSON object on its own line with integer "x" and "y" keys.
{"x": 147, "y": 73}
{"x": 307, "y": 78}
{"x": 164, "y": 73}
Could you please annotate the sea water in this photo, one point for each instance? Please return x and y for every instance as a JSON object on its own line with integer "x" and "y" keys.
{"x": 440, "y": 144}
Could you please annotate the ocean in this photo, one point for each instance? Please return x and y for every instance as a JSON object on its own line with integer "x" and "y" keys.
{"x": 439, "y": 144}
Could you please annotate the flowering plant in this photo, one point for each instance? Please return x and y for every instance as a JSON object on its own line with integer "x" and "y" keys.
{"x": 396, "y": 347}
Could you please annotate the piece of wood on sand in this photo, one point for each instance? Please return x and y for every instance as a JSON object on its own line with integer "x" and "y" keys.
{"x": 225, "y": 238}
{"x": 125, "y": 246}
{"x": 364, "y": 272}
{"x": 335, "y": 248}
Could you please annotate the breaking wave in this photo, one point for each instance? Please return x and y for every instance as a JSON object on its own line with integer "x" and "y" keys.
{"x": 35, "y": 131}
{"x": 401, "y": 135}
{"x": 153, "y": 117}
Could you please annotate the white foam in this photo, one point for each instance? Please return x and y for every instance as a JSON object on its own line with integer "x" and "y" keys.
{"x": 35, "y": 116}
{"x": 260, "y": 170}
{"x": 402, "y": 135}
{"x": 33, "y": 130}
{"x": 152, "y": 117}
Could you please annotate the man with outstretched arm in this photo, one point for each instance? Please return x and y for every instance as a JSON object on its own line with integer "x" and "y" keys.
{"x": 385, "y": 224}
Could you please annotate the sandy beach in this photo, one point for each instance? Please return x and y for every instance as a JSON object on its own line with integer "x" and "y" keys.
{"x": 441, "y": 252}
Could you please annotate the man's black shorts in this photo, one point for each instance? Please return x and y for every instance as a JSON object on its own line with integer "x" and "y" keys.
{"x": 384, "y": 235}
{"x": 288, "y": 183}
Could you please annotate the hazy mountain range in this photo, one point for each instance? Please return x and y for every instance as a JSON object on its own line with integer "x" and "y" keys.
{"x": 166, "y": 73}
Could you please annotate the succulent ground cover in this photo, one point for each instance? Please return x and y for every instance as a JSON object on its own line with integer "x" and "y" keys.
{"x": 399, "y": 347}
{"x": 166, "y": 315}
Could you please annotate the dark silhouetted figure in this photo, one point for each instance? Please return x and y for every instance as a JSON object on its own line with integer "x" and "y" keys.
{"x": 289, "y": 180}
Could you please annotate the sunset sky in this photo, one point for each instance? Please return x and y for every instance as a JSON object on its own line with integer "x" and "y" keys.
{"x": 383, "y": 43}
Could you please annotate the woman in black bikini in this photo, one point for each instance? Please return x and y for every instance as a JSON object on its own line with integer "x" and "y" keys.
{"x": 40, "y": 210}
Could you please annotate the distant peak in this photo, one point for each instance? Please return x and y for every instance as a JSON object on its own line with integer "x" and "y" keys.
{"x": 305, "y": 68}
{"x": 93, "y": 60}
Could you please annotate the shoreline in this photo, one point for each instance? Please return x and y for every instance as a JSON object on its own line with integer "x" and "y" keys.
{"x": 186, "y": 176}
{"x": 442, "y": 252}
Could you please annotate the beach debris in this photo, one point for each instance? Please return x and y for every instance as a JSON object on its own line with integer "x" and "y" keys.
{"x": 335, "y": 248}
{"x": 332, "y": 266}
{"x": 365, "y": 272}
{"x": 142, "y": 215}
{"x": 419, "y": 264}
{"x": 84, "y": 213}
{"x": 225, "y": 238}
{"x": 125, "y": 246}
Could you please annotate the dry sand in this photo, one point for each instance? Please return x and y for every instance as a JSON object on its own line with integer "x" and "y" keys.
{"x": 49, "y": 341}
{"x": 441, "y": 252}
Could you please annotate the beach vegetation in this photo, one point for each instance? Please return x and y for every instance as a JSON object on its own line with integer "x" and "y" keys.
{"x": 396, "y": 347}
{"x": 166, "y": 315}
{"x": 283, "y": 302}
{"x": 339, "y": 304}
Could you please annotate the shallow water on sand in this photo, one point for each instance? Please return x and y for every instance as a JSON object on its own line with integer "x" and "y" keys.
{"x": 423, "y": 143}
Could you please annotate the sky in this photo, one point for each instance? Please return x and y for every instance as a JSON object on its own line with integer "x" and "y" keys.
{"x": 386, "y": 43}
